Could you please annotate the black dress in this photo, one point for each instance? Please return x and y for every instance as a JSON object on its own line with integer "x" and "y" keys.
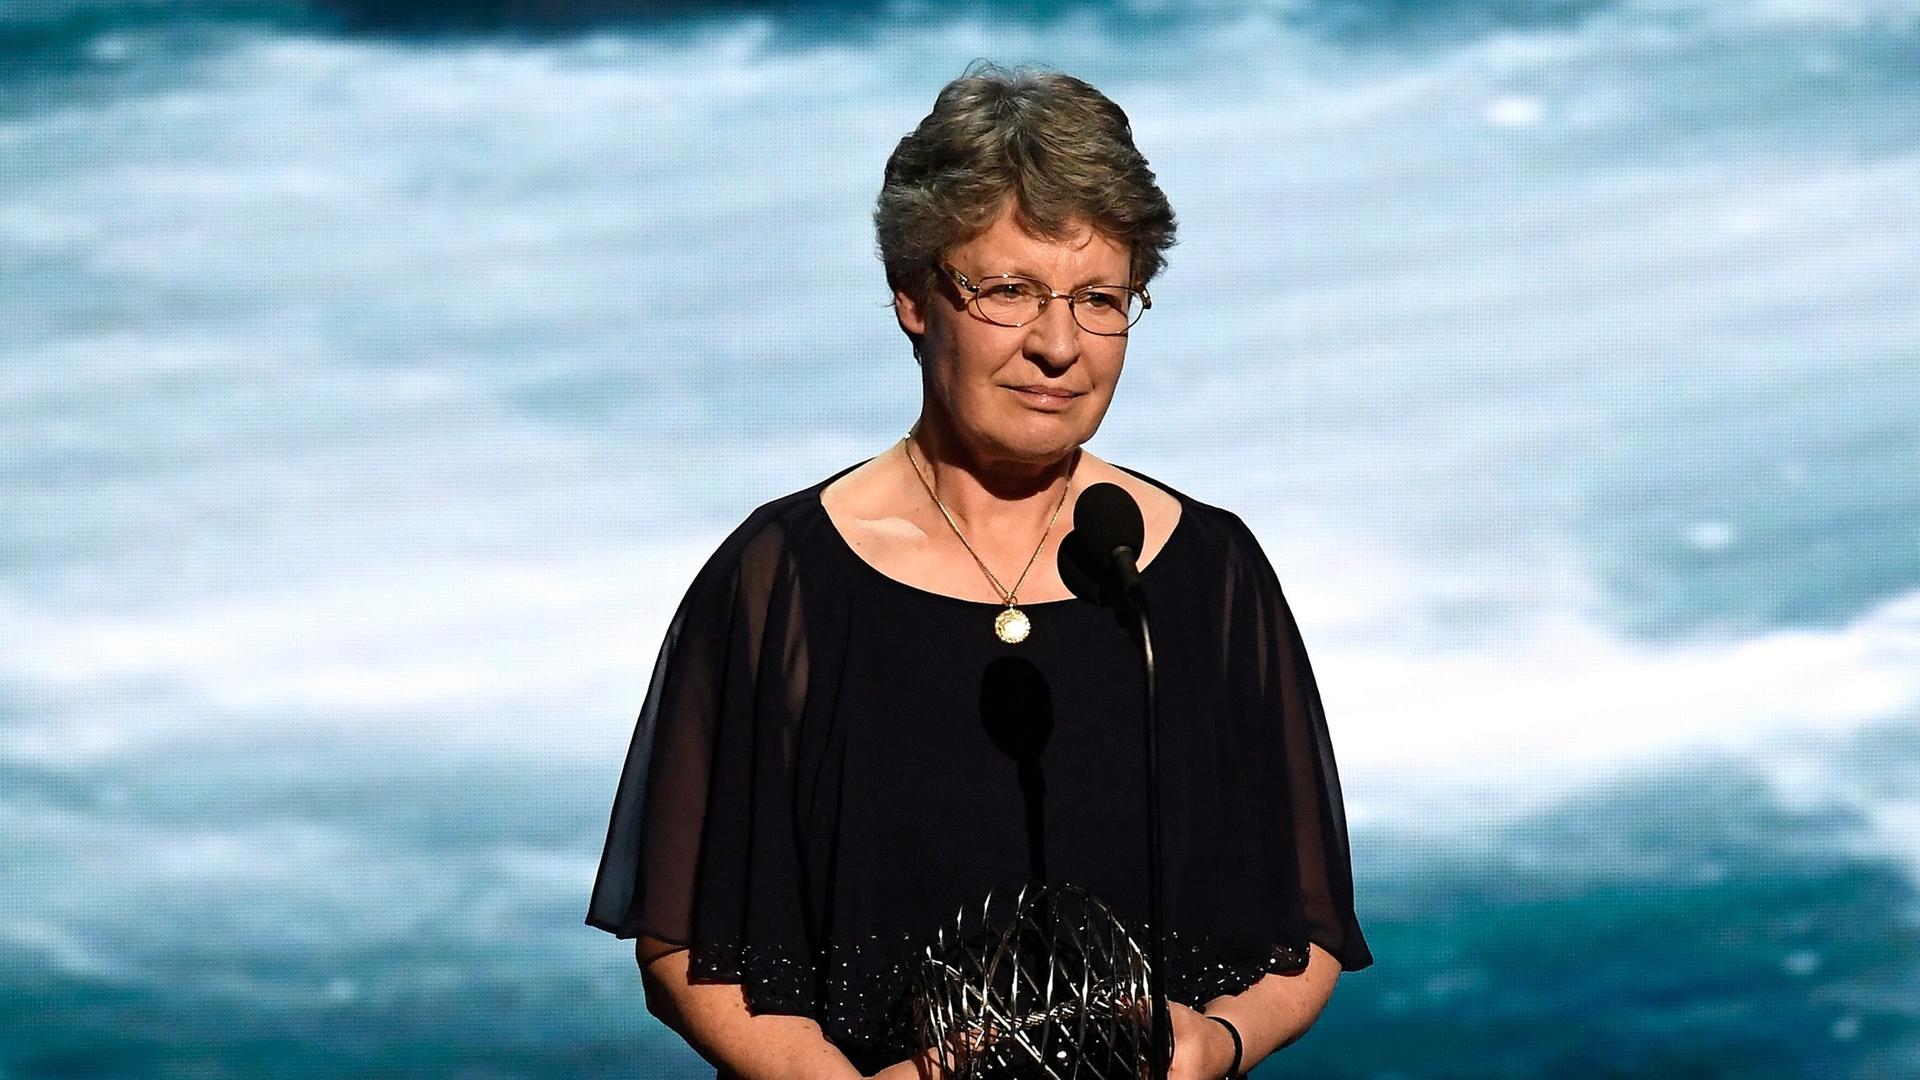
{"x": 830, "y": 763}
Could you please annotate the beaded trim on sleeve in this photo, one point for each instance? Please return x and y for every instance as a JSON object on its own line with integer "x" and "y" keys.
{"x": 856, "y": 990}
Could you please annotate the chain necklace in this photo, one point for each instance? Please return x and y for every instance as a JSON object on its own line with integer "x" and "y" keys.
{"x": 1011, "y": 625}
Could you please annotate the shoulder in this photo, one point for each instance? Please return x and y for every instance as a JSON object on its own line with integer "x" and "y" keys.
{"x": 771, "y": 536}
{"x": 1216, "y": 530}
{"x": 785, "y": 519}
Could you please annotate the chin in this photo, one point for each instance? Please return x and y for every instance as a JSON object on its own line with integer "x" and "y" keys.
{"x": 1043, "y": 443}
{"x": 1030, "y": 436}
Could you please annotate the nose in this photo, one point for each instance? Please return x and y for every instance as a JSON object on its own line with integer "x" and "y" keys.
{"x": 1053, "y": 339}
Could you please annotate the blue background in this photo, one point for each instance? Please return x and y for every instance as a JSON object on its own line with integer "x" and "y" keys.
{"x": 372, "y": 382}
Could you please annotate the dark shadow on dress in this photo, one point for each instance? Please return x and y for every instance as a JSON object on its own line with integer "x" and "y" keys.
{"x": 1016, "y": 708}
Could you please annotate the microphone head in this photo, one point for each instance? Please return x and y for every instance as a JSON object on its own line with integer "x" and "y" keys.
{"x": 1109, "y": 518}
{"x": 1105, "y": 517}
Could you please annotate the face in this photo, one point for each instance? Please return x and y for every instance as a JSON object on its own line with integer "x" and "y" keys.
{"x": 1025, "y": 394}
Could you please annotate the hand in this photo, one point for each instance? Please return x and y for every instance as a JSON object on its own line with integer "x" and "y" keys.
{"x": 1202, "y": 1049}
{"x": 922, "y": 1066}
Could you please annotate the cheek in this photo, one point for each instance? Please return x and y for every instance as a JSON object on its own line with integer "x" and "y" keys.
{"x": 954, "y": 379}
{"x": 952, "y": 341}
{"x": 976, "y": 354}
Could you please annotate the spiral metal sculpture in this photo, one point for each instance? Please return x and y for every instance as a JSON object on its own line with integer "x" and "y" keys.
{"x": 1055, "y": 988}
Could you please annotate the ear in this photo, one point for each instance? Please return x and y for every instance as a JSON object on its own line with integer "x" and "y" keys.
{"x": 912, "y": 316}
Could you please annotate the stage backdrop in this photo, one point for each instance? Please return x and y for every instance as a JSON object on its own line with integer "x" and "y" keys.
{"x": 374, "y": 383}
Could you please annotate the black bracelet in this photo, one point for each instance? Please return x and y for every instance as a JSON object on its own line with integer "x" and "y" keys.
{"x": 1233, "y": 1070}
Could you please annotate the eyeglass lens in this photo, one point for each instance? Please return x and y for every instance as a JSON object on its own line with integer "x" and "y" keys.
{"x": 1102, "y": 309}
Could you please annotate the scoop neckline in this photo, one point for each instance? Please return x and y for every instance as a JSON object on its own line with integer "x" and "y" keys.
{"x": 846, "y": 546}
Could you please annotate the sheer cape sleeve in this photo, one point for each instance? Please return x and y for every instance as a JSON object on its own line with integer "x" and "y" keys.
{"x": 1305, "y": 848}
{"x": 775, "y": 814}
{"x": 702, "y": 847}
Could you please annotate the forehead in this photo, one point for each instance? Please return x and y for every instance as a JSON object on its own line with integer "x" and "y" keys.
{"x": 1083, "y": 256}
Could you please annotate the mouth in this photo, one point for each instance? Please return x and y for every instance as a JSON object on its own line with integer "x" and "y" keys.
{"x": 1045, "y": 398}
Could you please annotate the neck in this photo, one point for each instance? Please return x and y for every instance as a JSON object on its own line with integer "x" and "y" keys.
{"x": 994, "y": 497}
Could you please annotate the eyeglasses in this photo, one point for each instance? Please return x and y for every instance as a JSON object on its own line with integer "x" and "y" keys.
{"x": 1012, "y": 300}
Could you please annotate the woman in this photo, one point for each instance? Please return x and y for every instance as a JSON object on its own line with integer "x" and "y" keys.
{"x": 879, "y": 700}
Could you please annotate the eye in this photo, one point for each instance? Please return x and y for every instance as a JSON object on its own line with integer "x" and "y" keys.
{"x": 1010, "y": 290}
{"x": 1103, "y": 301}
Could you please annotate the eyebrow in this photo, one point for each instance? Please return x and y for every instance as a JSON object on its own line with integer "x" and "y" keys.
{"x": 1042, "y": 278}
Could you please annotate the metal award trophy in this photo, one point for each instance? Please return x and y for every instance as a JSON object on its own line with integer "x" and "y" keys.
{"x": 1054, "y": 989}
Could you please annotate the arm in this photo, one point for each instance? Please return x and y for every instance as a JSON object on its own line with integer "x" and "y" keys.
{"x": 715, "y": 1021}
{"x": 1271, "y": 1013}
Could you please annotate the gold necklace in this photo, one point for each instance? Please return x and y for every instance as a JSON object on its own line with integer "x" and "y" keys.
{"x": 1012, "y": 625}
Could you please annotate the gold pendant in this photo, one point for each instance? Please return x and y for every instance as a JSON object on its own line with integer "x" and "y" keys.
{"x": 1011, "y": 625}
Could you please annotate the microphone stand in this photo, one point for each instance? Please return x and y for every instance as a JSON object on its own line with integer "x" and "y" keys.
{"x": 1161, "y": 1029}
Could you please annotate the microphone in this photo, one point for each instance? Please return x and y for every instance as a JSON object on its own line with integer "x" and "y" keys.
{"x": 1099, "y": 559}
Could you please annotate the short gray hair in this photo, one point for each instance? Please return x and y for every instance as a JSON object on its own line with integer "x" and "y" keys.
{"x": 1056, "y": 149}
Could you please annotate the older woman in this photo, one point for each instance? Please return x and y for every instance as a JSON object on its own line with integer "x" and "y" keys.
{"x": 879, "y": 700}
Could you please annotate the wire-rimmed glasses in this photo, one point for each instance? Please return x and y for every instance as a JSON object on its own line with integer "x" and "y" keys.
{"x": 1013, "y": 300}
